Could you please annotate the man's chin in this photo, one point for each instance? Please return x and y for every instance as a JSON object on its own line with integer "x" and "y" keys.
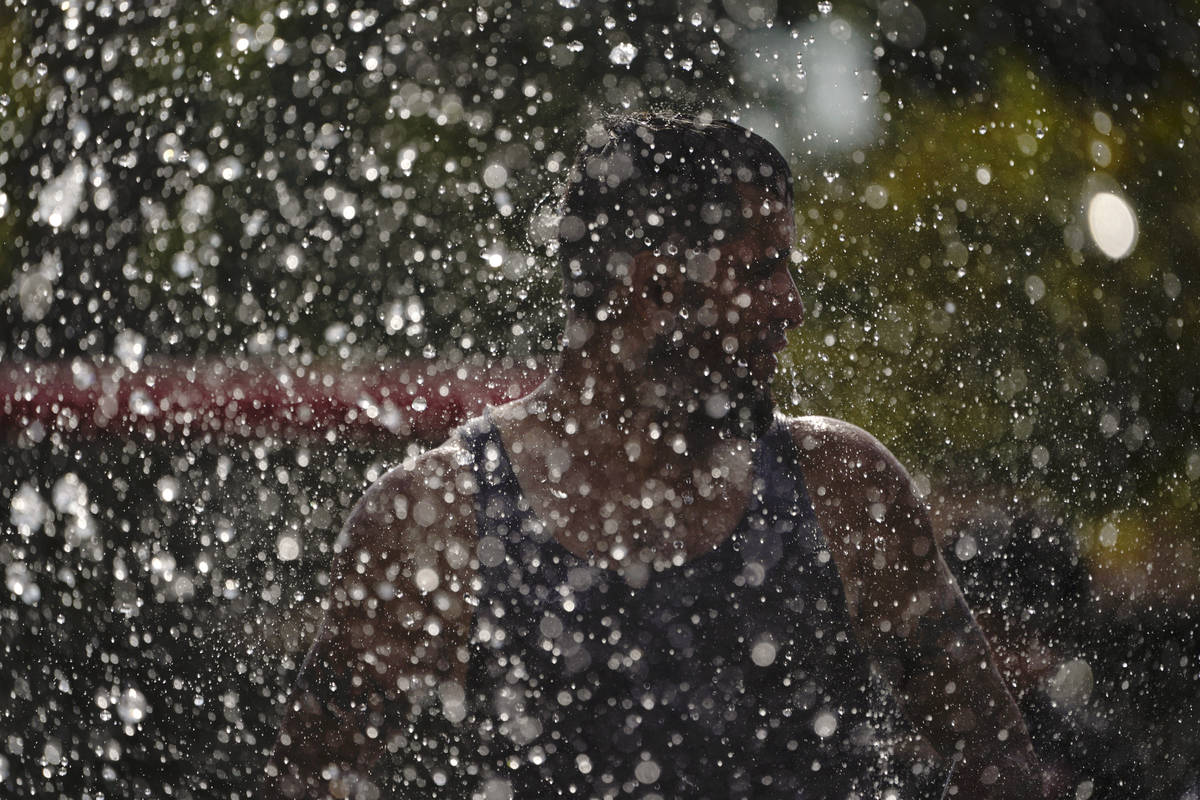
{"x": 761, "y": 367}
{"x": 745, "y": 414}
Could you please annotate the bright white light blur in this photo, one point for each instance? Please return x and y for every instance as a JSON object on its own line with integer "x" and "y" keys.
{"x": 818, "y": 86}
{"x": 1112, "y": 223}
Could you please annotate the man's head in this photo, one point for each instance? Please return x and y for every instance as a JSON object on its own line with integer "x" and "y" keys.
{"x": 678, "y": 233}
{"x": 642, "y": 182}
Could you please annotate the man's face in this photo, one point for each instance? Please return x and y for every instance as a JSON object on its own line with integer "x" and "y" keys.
{"x": 753, "y": 300}
{"x": 739, "y": 301}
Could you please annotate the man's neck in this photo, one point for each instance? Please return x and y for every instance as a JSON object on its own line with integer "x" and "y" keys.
{"x": 591, "y": 450}
{"x": 611, "y": 403}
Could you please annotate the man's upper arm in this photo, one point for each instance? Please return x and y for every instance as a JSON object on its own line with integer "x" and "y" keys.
{"x": 395, "y": 631}
{"x": 400, "y": 574}
{"x": 898, "y": 588}
{"x": 866, "y": 507}
{"x": 907, "y": 610}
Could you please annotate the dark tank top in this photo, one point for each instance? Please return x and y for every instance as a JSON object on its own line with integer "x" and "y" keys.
{"x": 732, "y": 675}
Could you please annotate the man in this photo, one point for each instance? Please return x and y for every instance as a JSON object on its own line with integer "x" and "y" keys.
{"x": 639, "y": 580}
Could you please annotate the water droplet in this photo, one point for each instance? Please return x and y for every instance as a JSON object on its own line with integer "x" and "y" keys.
{"x": 1040, "y": 456}
{"x": 35, "y": 293}
{"x": 825, "y": 724}
{"x": 28, "y": 510}
{"x": 168, "y": 488}
{"x": 1072, "y": 684}
{"x": 763, "y": 653}
{"x": 426, "y": 579}
{"x": 52, "y": 752}
{"x": 287, "y": 547}
{"x": 69, "y": 495}
{"x": 647, "y": 771}
{"x": 132, "y": 708}
{"x": 490, "y": 551}
{"x": 21, "y": 583}
{"x": 183, "y": 264}
{"x": 1035, "y": 287}
{"x": 495, "y": 176}
{"x": 140, "y": 404}
{"x": 229, "y": 168}
{"x": 623, "y": 54}
{"x": 876, "y": 196}
{"x": 130, "y": 348}
{"x": 59, "y": 199}
{"x": 966, "y": 547}
{"x": 162, "y": 567}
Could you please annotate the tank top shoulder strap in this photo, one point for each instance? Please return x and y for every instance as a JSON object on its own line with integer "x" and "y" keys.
{"x": 784, "y": 492}
{"x": 476, "y": 433}
{"x": 499, "y": 492}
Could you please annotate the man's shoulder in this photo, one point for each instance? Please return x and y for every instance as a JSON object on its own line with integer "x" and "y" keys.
{"x": 817, "y": 433}
{"x": 434, "y": 488}
{"x": 834, "y": 448}
{"x": 426, "y": 471}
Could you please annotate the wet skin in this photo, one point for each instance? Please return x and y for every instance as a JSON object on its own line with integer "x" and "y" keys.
{"x": 725, "y": 313}
{"x": 398, "y": 620}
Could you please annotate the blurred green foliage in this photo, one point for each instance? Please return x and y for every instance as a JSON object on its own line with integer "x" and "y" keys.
{"x": 970, "y": 324}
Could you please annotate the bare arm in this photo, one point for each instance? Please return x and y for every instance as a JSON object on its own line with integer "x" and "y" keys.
{"x": 909, "y": 613}
{"x": 393, "y": 641}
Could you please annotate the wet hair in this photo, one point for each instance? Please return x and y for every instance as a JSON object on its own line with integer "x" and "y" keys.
{"x": 646, "y": 180}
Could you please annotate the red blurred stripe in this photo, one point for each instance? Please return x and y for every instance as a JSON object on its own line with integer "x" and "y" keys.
{"x": 168, "y": 399}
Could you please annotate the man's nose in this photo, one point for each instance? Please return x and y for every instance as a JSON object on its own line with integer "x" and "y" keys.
{"x": 784, "y": 295}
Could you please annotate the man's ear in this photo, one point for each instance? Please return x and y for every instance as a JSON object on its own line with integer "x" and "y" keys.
{"x": 658, "y": 286}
